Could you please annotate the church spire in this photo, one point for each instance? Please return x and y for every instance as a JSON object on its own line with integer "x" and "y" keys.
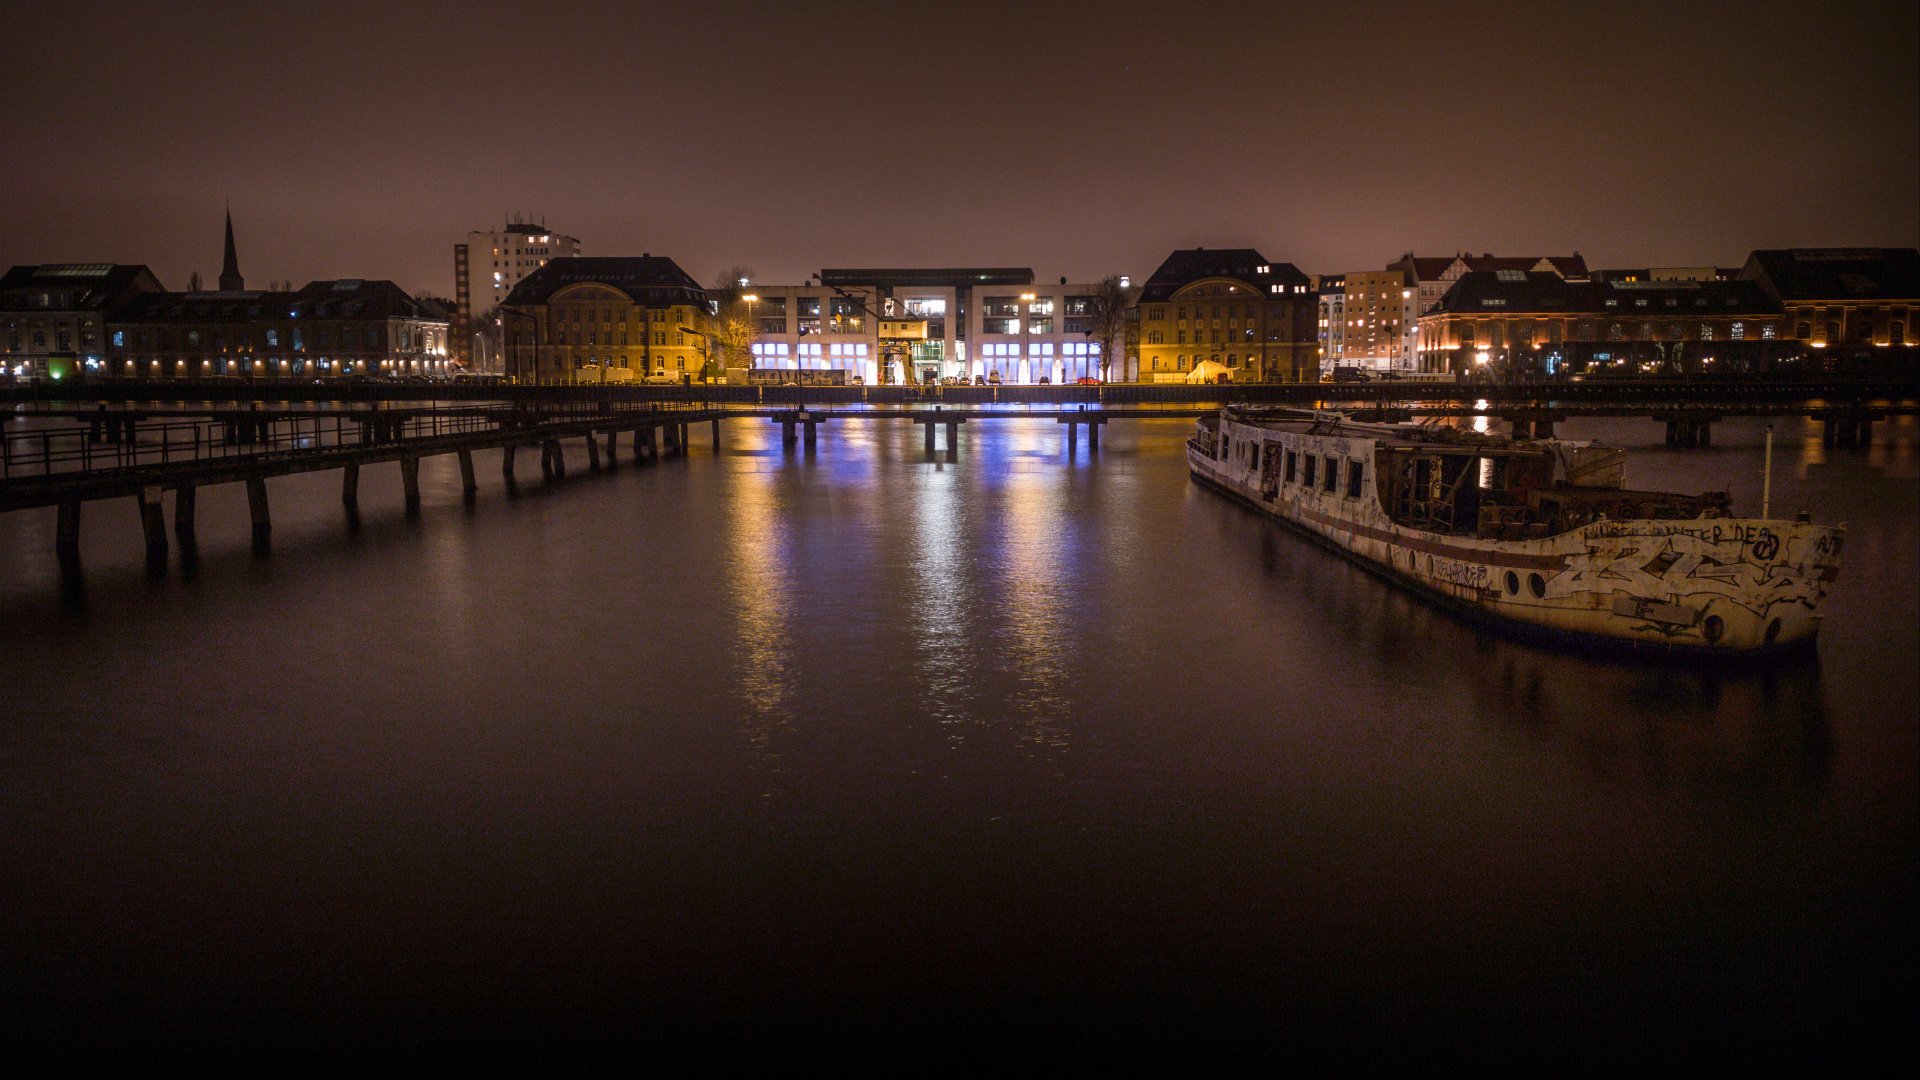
{"x": 230, "y": 279}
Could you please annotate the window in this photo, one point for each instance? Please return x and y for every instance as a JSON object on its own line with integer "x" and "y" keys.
{"x": 1897, "y": 334}
{"x": 1802, "y": 331}
{"x": 1292, "y": 460}
{"x": 1040, "y": 325}
{"x": 120, "y": 338}
{"x": 1706, "y": 331}
{"x": 1738, "y": 331}
{"x": 1154, "y": 337}
{"x": 1042, "y": 306}
{"x": 1306, "y": 474}
{"x": 999, "y": 306}
{"x": 1833, "y": 332}
{"x": 1331, "y": 482}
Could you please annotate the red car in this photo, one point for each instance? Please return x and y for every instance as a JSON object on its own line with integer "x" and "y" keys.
{"x": 1088, "y": 381}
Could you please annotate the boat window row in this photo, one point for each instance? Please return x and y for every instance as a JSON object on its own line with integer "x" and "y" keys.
{"x": 1310, "y": 471}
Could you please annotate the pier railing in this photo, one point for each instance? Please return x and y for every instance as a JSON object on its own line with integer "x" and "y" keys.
{"x": 122, "y": 440}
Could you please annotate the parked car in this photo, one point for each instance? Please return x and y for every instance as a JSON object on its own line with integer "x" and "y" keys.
{"x": 979, "y": 380}
{"x": 1350, "y": 374}
{"x": 660, "y": 378}
{"x": 993, "y": 379}
{"x": 1087, "y": 380}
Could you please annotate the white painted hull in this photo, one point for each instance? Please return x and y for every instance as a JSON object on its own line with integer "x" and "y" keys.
{"x": 1709, "y": 586}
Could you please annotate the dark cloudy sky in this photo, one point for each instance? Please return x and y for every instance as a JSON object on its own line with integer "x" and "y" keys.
{"x": 366, "y": 139}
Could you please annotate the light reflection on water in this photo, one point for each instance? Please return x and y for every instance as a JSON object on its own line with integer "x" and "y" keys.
{"x": 882, "y": 725}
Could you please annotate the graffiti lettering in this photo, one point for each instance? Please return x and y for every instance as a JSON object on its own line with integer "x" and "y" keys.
{"x": 1460, "y": 573}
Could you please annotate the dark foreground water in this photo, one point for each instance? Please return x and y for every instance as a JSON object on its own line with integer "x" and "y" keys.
{"x": 858, "y": 755}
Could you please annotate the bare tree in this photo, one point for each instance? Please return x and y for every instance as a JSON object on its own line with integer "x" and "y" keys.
{"x": 1107, "y": 319}
{"x": 732, "y": 331}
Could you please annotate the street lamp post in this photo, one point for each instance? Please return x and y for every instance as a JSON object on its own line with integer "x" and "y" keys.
{"x": 751, "y": 332}
{"x": 1026, "y": 310}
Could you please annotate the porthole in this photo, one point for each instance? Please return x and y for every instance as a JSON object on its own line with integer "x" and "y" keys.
{"x": 1513, "y": 583}
{"x": 1712, "y": 629}
{"x": 1539, "y": 586}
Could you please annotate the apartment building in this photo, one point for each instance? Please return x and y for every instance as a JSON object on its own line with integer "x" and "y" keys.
{"x": 485, "y": 270}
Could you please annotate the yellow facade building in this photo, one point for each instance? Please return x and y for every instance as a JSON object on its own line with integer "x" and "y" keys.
{"x": 605, "y": 320}
{"x": 1227, "y": 314}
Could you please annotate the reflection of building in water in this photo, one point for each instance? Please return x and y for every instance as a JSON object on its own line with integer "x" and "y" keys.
{"x": 893, "y": 325}
{"x": 760, "y": 588}
{"x": 945, "y": 592}
{"x": 1039, "y": 601}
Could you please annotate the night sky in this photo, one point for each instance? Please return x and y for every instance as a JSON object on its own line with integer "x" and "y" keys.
{"x": 365, "y": 140}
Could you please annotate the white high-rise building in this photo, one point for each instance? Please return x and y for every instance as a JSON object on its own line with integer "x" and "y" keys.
{"x": 485, "y": 270}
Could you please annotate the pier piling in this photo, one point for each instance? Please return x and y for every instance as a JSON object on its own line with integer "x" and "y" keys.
{"x": 183, "y": 514}
{"x": 66, "y": 530}
{"x": 410, "y": 483}
{"x": 153, "y": 522}
{"x": 593, "y": 452}
{"x": 257, "y": 510}
{"x": 467, "y": 485}
{"x": 350, "y": 485}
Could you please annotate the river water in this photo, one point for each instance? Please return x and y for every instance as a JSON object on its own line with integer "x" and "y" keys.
{"x": 858, "y": 754}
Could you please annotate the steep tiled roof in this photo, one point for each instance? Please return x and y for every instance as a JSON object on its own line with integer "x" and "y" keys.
{"x": 1430, "y": 269}
{"x": 1492, "y": 292}
{"x": 73, "y": 286}
{"x": 1242, "y": 264}
{"x": 346, "y": 298}
{"x": 647, "y": 279}
{"x": 1837, "y": 273}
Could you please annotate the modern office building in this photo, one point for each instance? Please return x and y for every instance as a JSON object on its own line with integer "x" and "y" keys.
{"x": 896, "y": 325}
{"x": 1246, "y": 318}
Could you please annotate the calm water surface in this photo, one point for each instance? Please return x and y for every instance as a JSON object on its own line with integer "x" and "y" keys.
{"x": 854, "y": 752}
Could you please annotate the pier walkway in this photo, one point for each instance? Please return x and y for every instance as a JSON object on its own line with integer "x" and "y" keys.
{"x": 67, "y": 454}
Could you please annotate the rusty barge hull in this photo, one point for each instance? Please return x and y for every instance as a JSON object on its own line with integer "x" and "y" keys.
{"x": 1530, "y": 554}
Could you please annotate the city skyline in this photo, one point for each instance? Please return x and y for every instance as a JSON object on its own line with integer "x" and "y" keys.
{"x": 1081, "y": 140}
